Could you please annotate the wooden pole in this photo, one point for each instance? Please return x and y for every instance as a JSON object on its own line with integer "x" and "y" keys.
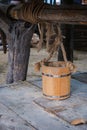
{"x": 72, "y": 14}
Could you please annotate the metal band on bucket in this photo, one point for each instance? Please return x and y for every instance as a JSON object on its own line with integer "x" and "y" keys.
{"x": 57, "y": 97}
{"x": 56, "y": 76}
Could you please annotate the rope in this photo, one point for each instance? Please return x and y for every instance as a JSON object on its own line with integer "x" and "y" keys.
{"x": 58, "y": 42}
{"x": 28, "y": 12}
{"x": 32, "y": 13}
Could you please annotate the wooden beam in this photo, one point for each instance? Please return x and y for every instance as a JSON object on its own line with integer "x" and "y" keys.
{"x": 67, "y": 14}
{"x": 72, "y": 14}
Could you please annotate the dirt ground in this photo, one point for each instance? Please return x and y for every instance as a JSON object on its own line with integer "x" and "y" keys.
{"x": 80, "y": 60}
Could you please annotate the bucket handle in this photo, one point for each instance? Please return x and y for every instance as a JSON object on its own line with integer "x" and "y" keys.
{"x": 69, "y": 64}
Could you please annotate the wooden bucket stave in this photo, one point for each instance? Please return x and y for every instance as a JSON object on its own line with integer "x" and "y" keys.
{"x": 56, "y": 80}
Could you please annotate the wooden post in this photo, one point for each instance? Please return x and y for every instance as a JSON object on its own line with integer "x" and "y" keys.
{"x": 67, "y": 31}
{"x": 19, "y": 51}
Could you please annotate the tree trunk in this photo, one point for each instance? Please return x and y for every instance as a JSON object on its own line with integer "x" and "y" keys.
{"x": 19, "y": 51}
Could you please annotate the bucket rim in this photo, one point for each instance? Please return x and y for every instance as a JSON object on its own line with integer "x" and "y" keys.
{"x": 62, "y": 64}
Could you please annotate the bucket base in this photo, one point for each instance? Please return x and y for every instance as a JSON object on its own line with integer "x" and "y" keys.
{"x": 57, "y": 97}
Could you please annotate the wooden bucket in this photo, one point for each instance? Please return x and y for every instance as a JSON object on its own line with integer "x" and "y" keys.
{"x": 56, "y": 80}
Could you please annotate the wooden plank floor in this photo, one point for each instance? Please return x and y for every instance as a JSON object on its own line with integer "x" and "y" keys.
{"x": 68, "y": 110}
{"x": 74, "y": 107}
{"x": 80, "y": 76}
{"x": 23, "y": 107}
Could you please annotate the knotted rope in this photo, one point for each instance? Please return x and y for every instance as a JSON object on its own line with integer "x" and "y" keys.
{"x": 28, "y": 11}
{"x": 58, "y": 42}
{"x": 32, "y": 13}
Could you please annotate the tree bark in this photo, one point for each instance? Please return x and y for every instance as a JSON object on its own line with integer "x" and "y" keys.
{"x": 19, "y": 51}
{"x": 18, "y": 35}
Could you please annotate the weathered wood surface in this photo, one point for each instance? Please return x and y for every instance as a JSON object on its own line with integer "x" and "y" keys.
{"x": 80, "y": 37}
{"x": 17, "y": 34}
{"x": 72, "y": 108}
{"x": 66, "y": 110}
{"x": 71, "y": 14}
{"x": 18, "y": 110}
{"x": 82, "y": 77}
{"x": 9, "y": 120}
{"x": 19, "y": 51}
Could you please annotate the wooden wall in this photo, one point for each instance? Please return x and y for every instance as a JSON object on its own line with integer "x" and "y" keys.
{"x": 80, "y": 36}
